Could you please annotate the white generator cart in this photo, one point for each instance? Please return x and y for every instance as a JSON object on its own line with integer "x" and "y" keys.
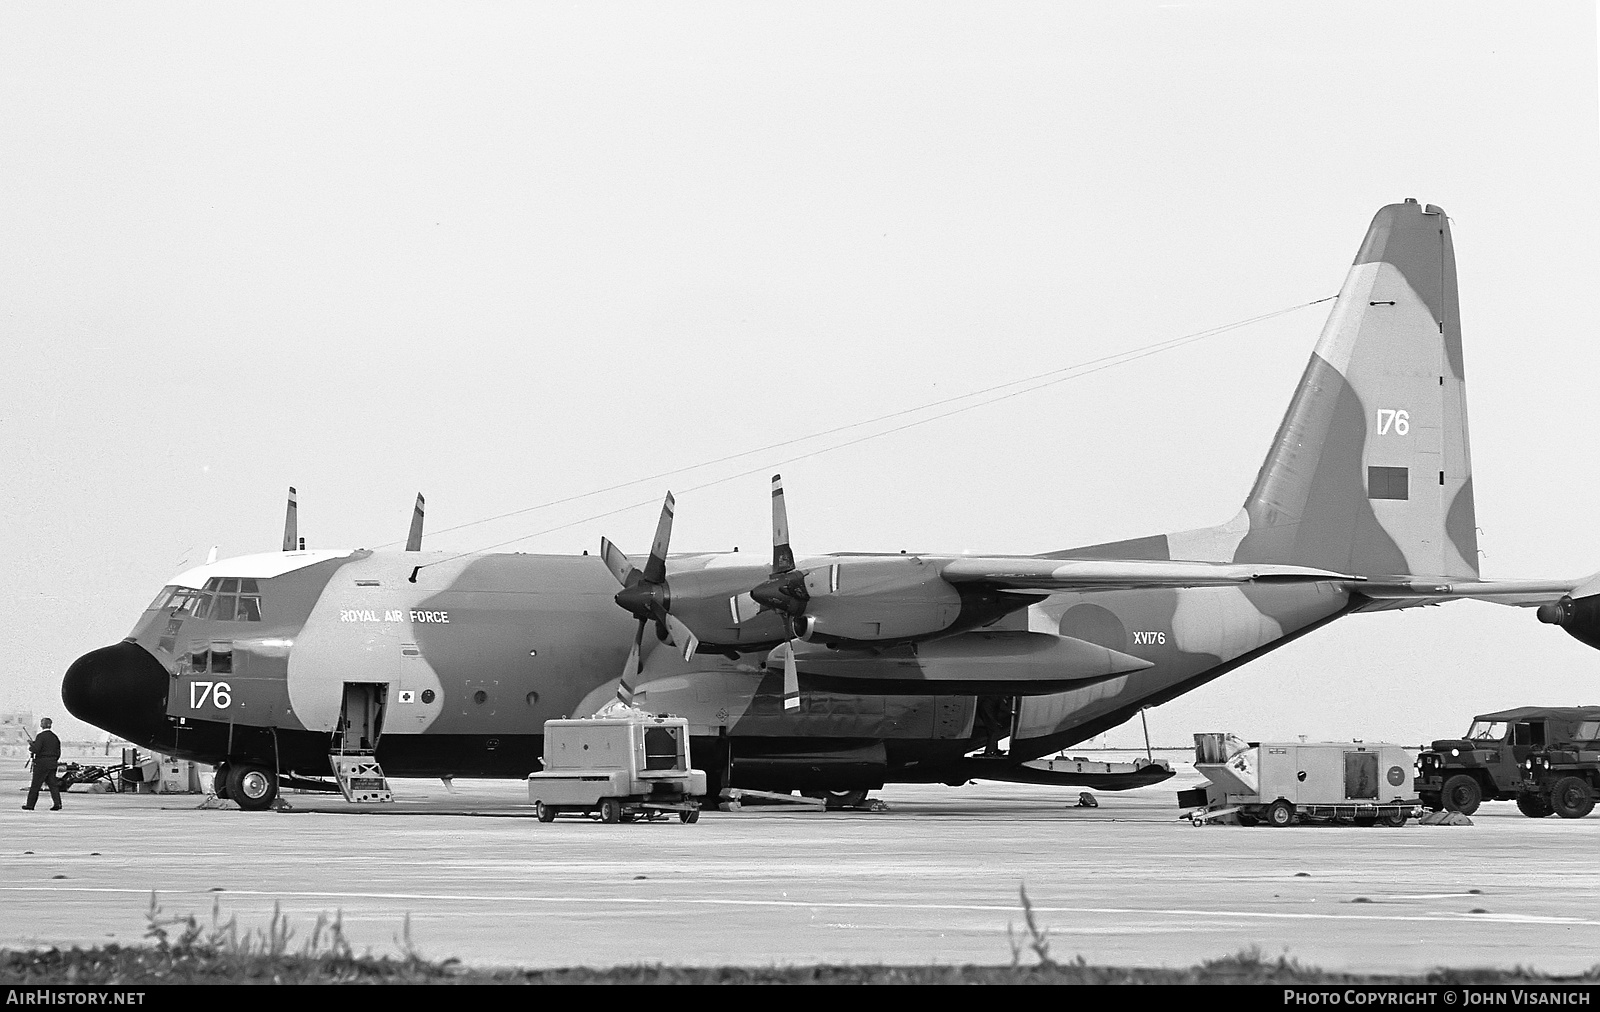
{"x": 620, "y": 767}
{"x": 1279, "y": 783}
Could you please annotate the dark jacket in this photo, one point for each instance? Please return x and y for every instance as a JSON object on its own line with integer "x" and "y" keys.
{"x": 46, "y": 747}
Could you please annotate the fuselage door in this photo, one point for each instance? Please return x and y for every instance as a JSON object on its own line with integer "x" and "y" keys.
{"x": 361, "y": 718}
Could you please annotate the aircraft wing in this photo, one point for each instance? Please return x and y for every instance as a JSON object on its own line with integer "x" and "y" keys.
{"x": 1514, "y": 593}
{"x": 1030, "y": 575}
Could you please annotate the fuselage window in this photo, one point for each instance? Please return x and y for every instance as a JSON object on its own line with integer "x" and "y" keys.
{"x": 222, "y": 658}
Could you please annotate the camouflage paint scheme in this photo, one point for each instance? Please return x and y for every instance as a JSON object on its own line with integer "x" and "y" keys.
{"x": 916, "y": 661}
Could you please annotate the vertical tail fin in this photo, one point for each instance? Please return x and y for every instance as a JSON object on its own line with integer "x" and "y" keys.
{"x": 1371, "y": 471}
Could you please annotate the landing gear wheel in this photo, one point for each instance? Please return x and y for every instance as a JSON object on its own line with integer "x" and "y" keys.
{"x": 839, "y": 799}
{"x": 689, "y": 817}
{"x": 253, "y": 786}
{"x": 610, "y": 810}
{"x": 1280, "y": 813}
{"x": 1534, "y": 806}
{"x": 219, "y": 781}
{"x": 1462, "y": 794}
{"x": 1571, "y": 798}
{"x": 546, "y": 813}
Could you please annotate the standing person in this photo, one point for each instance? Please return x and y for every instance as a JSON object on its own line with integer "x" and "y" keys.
{"x": 46, "y": 749}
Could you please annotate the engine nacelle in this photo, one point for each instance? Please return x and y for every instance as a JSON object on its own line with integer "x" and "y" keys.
{"x": 882, "y": 599}
{"x": 1580, "y": 617}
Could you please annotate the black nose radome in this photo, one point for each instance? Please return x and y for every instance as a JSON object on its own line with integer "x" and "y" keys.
{"x": 121, "y": 689}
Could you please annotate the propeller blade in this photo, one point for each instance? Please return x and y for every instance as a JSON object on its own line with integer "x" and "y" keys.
{"x": 655, "y": 570}
{"x": 743, "y": 608}
{"x": 791, "y": 679}
{"x": 682, "y": 635}
{"x": 291, "y": 514}
{"x": 782, "y": 554}
{"x": 631, "y": 670}
{"x": 620, "y": 565}
{"x": 414, "y": 539}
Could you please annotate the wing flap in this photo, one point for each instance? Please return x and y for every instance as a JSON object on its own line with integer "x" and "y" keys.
{"x": 1053, "y": 575}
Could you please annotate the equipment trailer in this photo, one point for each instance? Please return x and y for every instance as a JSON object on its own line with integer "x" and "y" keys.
{"x": 620, "y": 767}
{"x": 1281, "y": 782}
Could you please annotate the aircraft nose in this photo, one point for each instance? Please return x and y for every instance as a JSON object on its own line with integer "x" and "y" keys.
{"x": 121, "y": 689}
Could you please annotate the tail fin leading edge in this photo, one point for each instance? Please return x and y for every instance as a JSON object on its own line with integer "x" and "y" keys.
{"x": 1371, "y": 470}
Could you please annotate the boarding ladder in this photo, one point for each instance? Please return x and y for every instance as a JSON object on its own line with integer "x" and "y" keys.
{"x": 352, "y": 754}
{"x": 361, "y": 779}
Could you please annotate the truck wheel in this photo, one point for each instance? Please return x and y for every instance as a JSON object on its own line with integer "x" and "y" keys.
{"x": 1396, "y": 820}
{"x": 689, "y": 817}
{"x": 1462, "y": 794}
{"x": 1533, "y": 806}
{"x": 546, "y": 813}
{"x": 1571, "y": 798}
{"x": 1280, "y": 813}
{"x": 252, "y": 786}
{"x": 610, "y": 810}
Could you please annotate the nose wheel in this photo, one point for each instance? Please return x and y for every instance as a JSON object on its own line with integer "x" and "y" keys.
{"x": 253, "y": 786}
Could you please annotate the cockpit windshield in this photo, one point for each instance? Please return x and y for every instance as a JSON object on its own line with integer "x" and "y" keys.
{"x": 1487, "y": 730}
{"x": 223, "y": 599}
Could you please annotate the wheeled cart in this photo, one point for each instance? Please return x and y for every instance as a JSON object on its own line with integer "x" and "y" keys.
{"x": 622, "y": 767}
{"x": 1280, "y": 783}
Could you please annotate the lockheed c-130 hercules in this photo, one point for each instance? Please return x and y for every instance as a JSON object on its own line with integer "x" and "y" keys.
{"x": 841, "y": 673}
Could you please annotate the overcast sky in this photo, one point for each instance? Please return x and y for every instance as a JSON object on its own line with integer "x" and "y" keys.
{"x": 509, "y": 253}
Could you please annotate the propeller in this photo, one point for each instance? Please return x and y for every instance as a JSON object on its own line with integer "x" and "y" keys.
{"x": 645, "y": 595}
{"x": 786, "y": 591}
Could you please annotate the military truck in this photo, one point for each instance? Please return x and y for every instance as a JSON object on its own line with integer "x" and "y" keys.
{"x": 1563, "y": 778}
{"x": 1486, "y": 764}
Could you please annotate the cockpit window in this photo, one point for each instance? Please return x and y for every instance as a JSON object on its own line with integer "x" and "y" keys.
{"x": 231, "y": 599}
{"x": 1486, "y": 730}
{"x": 162, "y": 598}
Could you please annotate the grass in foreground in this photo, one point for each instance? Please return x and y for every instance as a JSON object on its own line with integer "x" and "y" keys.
{"x": 183, "y": 951}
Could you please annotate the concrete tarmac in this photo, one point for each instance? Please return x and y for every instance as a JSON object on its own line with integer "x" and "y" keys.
{"x": 933, "y": 880}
